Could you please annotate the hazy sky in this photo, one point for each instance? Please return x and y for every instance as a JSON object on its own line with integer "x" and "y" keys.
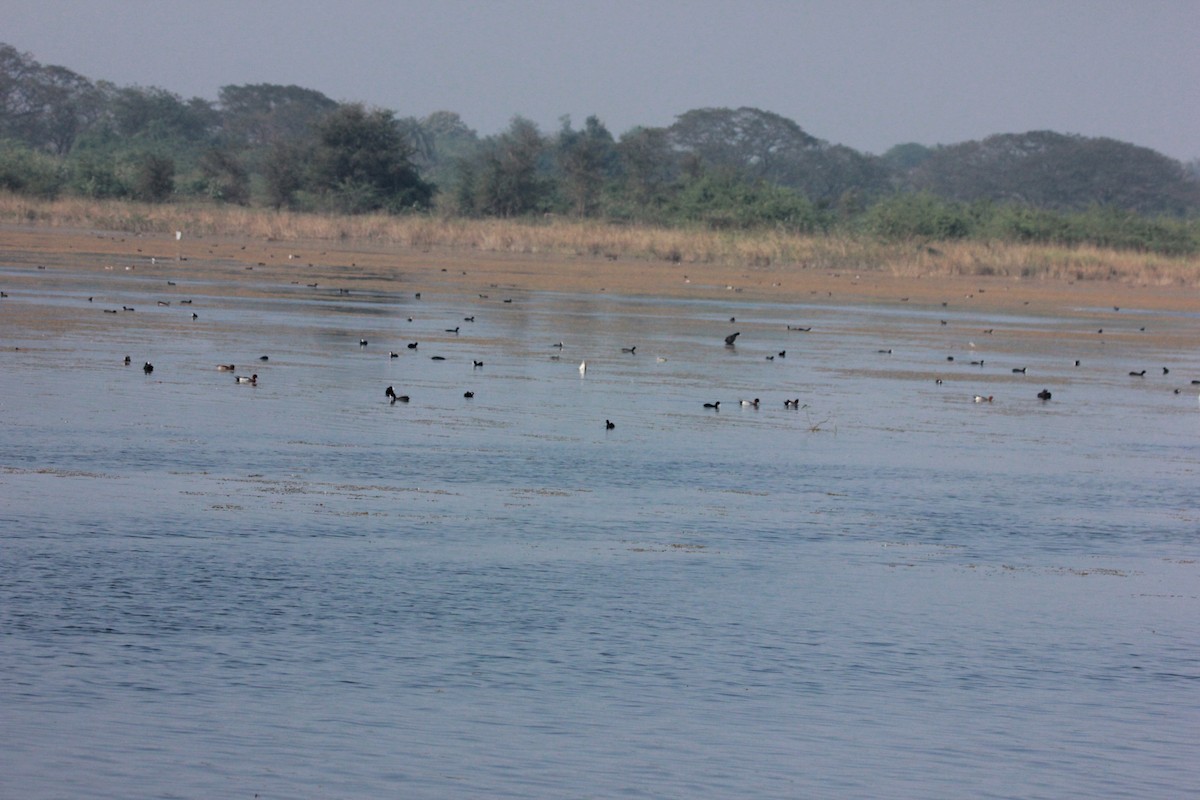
{"x": 865, "y": 73}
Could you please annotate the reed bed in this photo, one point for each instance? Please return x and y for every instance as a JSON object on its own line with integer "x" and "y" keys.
{"x": 560, "y": 236}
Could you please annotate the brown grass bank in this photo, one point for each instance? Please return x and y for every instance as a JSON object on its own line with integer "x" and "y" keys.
{"x": 563, "y": 254}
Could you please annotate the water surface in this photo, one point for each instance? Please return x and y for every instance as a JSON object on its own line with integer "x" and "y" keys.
{"x": 297, "y": 589}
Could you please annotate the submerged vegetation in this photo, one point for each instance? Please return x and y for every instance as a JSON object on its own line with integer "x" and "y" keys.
{"x": 719, "y": 184}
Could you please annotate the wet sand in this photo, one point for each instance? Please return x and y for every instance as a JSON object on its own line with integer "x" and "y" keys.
{"x": 253, "y": 266}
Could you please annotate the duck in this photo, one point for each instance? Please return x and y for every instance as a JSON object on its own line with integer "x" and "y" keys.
{"x": 452, "y": 330}
{"x": 468, "y": 395}
{"x": 128, "y": 361}
{"x": 362, "y": 342}
{"x": 391, "y": 394}
{"x": 225, "y": 367}
{"x": 264, "y": 358}
{"x": 716, "y": 405}
{"x": 792, "y": 403}
{"x": 731, "y": 338}
{"x": 1141, "y": 374}
{"x": 629, "y": 349}
{"x": 609, "y": 425}
{"x": 1019, "y": 370}
{"x": 252, "y": 380}
{"x": 981, "y": 399}
{"x": 750, "y": 403}
{"x": 393, "y": 354}
{"x": 476, "y": 364}
{"x": 582, "y": 367}
{"x": 411, "y": 345}
{"x": 147, "y": 368}
{"x": 1044, "y": 395}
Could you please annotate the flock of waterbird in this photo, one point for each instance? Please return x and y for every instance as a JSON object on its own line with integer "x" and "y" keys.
{"x": 1044, "y": 395}
{"x": 730, "y": 342}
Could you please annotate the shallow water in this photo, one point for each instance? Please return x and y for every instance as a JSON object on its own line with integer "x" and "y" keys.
{"x": 296, "y": 589}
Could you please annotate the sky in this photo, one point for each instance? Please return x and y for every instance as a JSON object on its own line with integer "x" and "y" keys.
{"x": 869, "y": 74}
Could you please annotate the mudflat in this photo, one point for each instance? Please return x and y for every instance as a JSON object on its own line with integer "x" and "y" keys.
{"x": 253, "y": 265}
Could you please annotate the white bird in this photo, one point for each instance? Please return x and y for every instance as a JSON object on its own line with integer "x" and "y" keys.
{"x": 582, "y": 367}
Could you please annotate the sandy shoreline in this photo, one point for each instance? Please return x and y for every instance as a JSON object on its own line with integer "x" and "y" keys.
{"x": 374, "y": 267}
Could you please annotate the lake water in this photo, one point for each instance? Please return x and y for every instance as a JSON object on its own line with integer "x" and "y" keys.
{"x": 298, "y": 590}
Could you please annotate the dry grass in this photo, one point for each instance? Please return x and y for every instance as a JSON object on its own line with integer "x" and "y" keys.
{"x": 567, "y": 237}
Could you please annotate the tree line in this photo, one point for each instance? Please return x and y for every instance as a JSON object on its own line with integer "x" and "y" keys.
{"x": 291, "y": 147}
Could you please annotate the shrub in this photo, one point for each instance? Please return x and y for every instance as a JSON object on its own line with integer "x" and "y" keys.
{"x": 153, "y": 177}
{"x": 917, "y": 216}
{"x": 29, "y": 172}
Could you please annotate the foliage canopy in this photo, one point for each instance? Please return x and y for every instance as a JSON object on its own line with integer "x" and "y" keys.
{"x": 288, "y": 146}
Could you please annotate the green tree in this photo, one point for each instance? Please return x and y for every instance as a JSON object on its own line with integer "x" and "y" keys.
{"x": 260, "y": 115}
{"x": 649, "y": 168}
{"x": 587, "y": 159}
{"x": 150, "y": 114}
{"x": 27, "y": 171}
{"x": 224, "y": 177}
{"x": 451, "y": 138}
{"x": 828, "y": 174}
{"x": 153, "y": 177}
{"x": 917, "y": 216}
{"x": 508, "y": 180}
{"x": 446, "y": 161}
{"x": 46, "y": 107}
{"x": 95, "y": 173}
{"x": 722, "y": 200}
{"x": 903, "y": 157}
{"x": 754, "y": 144}
{"x": 361, "y": 162}
{"x": 283, "y": 173}
{"x": 1061, "y": 172}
